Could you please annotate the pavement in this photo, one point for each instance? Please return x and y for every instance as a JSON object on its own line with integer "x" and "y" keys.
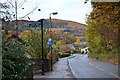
{"x": 61, "y": 70}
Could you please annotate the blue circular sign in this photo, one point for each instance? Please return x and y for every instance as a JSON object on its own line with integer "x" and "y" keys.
{"x": 50, "y": 43}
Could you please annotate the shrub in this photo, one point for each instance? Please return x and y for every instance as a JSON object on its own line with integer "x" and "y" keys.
{"x": 65, "y": 48}
{"x": 54, "y": 55}
{"x": 71, "y": 51}
{"x": 60, "y": 54}
{"x": 33, "y": 42}
{"x": 15, "y": 63}
{"x": 66, "y": 55}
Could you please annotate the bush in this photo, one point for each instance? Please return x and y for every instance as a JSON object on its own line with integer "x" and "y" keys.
{"x": 66, "y": 55}
{"x": 54, "y": 56}
{"x": 61, "y": 54}
{"x": 65, "y": 48}
{"x": 77, "y": 51}
{"x": 15, "y": 63}
{"x": 33, "y": 42}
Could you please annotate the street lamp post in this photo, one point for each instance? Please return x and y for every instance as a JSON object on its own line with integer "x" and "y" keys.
{"x": 54, "y": 13}
{"x": 42, "y": 62}
{"x": 42, "y": 47}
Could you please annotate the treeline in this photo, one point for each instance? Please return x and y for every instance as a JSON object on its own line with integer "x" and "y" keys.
{"x": 102, "y": 31}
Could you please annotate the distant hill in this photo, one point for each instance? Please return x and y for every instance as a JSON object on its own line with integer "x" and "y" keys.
{"x": 66, "y": 24}
{"x": 72, "y": 27}
{"x": 56, "y": 23}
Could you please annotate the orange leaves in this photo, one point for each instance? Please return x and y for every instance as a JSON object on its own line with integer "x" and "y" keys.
{"x": 78, "y": 42}
{"x": 25, "y": 33}
{"x": 103, "y": 24}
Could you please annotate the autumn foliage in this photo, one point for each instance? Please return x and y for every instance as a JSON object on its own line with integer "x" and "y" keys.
{"x": 102, "y": 31}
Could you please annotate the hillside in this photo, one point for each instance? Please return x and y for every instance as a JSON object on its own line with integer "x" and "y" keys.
{"x": 56, "y": 23}
{"x": 67, "y": 24}
{"x": 60, "y": 26}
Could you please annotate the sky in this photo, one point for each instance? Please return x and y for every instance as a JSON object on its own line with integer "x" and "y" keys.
{"x": 74, "y": 10}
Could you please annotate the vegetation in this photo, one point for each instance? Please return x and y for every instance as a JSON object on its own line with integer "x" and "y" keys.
{"x": 19, "y": 51}
{"x": 78, "y": 42}
{"x": 102, "y": 31}
{"x": 33, "y": 42}
{"x": 64, "y": 38}
{"x": 15, "y": 63}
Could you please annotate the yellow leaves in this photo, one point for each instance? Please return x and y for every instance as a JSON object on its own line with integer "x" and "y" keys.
{"x": 25, "y": 33}
{"x": 102, "y": 29}
{"x": 8, "y": 33}
{"x": 1, "y": 30}
{"x": 115, "y": 30}
{"x": 58, "y": 44}
{"x": 78, "y": 42}
{"x": 29, "y": 56}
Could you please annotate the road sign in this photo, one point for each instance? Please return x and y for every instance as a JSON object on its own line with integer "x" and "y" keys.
{"x": 50, "y": 42}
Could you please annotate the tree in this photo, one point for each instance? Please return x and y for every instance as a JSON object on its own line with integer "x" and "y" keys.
{"x": 15, "y": 63}
{"x": 102, "y": 29}
{"x": 4, "y": 13}
{"x": 33, "y": 42}
{"x": 10, "y": 9}
{"x": 78, "y": 41}
{"x": 59, "y": 44}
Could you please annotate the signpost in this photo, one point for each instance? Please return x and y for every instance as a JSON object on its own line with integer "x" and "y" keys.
{"x": 50, "y": 43}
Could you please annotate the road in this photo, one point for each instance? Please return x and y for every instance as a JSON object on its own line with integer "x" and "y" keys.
{"x": 83, "y": 67}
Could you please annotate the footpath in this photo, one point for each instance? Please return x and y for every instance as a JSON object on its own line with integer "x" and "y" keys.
{"x": 60, "y": 70}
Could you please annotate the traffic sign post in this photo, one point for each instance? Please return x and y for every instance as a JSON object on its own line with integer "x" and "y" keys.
{"x": 50, "y": 43}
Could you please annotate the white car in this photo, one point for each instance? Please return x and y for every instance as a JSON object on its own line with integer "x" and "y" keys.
{"x": 85, "y": 50}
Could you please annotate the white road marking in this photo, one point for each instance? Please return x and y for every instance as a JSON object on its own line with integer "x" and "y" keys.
{"x": 114, "y": 75}
{"x": 103, "y": 70}
{"x": 91, "y": 64}
{"x": 99, "y": 68}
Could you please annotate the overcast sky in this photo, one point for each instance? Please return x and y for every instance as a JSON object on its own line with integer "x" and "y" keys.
{"x": 74, "y": 10}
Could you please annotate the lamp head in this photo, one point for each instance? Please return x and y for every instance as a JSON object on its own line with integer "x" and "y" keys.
{"x": 55, "y": 13}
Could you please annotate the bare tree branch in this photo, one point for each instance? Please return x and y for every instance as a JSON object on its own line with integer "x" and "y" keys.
{"x": 3, "y": 5}
{"x": 21, "y": 4}
{"x": 11, "y": 3}
{"x": 29, "y": 13}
